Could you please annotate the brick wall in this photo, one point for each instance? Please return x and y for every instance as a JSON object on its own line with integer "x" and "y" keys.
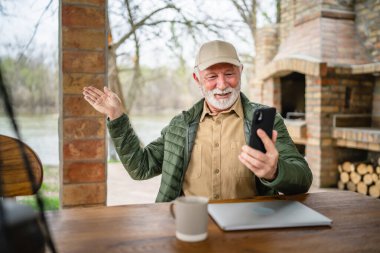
{"x": 367, "y": 25}
{"x": 82, "y": 130}
{"x": 293, "y": 10}
{"x": 323, "y": 34}
{"x": 304, "y": 40}
{"x": 339, "y": 43}
{"x": 326, "y": 96}
{"x": 344, "y": 6}
{"x": 347, "y": 93}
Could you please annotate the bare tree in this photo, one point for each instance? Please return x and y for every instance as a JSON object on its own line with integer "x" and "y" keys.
{"x": 278, "y": 11}
{"x": 25, "y": 64}
{"x": 250, "y": 9}
{"x": 2, "y": 11}
{"x": 247, "y": 12}
{"x": 143, "y": 27}
{"x": 37, "y": 25}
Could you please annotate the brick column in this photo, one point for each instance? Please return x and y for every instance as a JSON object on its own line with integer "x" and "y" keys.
{"x": 271, "y": 94}
{"x": 256, "y": 90}
{"x": 266, "y": 48}
{"x": 321, "y": 102}
{"x": 82, "y": 133}
{"x": 313, "y": 96}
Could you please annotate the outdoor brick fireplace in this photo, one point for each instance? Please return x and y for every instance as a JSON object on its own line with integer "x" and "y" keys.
{"x": 314, "y": 69}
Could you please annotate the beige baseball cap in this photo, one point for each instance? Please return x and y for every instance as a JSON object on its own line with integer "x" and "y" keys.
{"x": 214, "y": 52}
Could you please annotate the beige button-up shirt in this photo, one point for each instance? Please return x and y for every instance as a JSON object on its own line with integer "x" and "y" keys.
{"x": 214, "y": 170}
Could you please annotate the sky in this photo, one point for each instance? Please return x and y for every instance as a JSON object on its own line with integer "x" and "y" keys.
{"x": 221, "y": 9}
{"x": 18, "y": 25}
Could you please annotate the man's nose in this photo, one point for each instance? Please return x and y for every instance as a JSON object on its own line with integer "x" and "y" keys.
{"x": 221, "y": 82}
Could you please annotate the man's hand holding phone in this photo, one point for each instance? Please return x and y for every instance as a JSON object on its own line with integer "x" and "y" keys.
{"x": 264, "y": 165}
{"x": 261, "y": 156}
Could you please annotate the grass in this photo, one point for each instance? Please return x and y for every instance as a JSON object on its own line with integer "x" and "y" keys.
{"x": 114, "y": 160}
{"x": 50, "y": 203}
{"x": 49, "y": 190}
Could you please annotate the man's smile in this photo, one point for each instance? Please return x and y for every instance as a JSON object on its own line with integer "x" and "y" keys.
{"x": 222, "y": 96}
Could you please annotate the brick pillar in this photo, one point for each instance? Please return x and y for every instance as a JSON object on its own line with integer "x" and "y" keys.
{"x": 313, "y": 121}
{"x": 266, "y": 48}
{"x": 271, "y": 94}
{"x": 255, "y": 91}
{"x": 82, "y": 133}
{"x": 322, "y": 101}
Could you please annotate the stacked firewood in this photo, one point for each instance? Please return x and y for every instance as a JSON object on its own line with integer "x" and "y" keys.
{"x": 362, "y": 177}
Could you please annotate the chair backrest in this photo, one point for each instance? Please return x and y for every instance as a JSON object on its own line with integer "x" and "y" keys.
{"x": 14, "y": 178}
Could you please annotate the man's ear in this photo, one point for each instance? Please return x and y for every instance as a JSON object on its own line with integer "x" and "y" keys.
{"x": 195, "y": 78}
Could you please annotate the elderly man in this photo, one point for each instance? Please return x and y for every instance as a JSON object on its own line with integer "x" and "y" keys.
{"x": 203, "y": 150}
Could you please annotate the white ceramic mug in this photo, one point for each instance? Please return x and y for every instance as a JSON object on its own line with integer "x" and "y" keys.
{"x": 191, "y": 218}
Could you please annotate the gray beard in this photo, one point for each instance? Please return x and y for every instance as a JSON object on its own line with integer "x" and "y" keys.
{"x": 221, "y": 104}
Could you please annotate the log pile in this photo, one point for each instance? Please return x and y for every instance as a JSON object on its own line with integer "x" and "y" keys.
{"x": 362, "y": 177}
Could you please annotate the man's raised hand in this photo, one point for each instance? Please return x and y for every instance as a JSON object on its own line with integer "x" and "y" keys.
{"x": 106, "y": 102}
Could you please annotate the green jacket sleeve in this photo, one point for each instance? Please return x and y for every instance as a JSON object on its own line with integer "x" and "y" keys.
{"x": 294, "y": 175}
{"x": 140, "y": 162}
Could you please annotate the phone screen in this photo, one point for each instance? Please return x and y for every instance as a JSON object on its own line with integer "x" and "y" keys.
{"x": 263, "y": 118}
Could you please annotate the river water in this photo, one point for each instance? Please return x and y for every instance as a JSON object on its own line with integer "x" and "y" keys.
{"x": 41, "y": 132}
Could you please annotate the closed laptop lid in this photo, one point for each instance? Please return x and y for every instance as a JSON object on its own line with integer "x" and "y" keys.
{"x": 268, "y": 214}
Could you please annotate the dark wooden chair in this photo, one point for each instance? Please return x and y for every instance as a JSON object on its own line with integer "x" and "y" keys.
{"x": 14, "y": 177}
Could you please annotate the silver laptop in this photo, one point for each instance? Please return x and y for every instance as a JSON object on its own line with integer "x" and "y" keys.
{"x": 267, "y": 214}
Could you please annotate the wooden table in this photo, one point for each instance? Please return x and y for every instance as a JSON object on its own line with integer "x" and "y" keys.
{"x": 150, "y": 228}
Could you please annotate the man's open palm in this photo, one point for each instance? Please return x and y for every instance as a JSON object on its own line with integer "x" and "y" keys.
{"x": 106, "y": 102}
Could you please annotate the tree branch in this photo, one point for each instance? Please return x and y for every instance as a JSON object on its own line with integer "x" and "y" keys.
{"x": 140, "y": 23}
{"x": 2, "y": 11}
{"x": 36, "y": 26}
{"x": 265, "y": 14}
{"x": 248, "y": 14}
{"x": 241, "y": 11}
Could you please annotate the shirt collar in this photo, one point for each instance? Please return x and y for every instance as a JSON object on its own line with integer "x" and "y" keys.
{"x": 236, "y": 107}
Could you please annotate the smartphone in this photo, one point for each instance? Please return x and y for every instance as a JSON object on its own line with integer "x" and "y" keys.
{"x": 263, "y": 118}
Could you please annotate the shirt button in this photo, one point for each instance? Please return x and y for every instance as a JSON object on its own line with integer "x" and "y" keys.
{"x": 218, "y": 122}
{"x": 216, "y": 171}
{"x": 216, "y": 196}
{"x": 216, "y": 144}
